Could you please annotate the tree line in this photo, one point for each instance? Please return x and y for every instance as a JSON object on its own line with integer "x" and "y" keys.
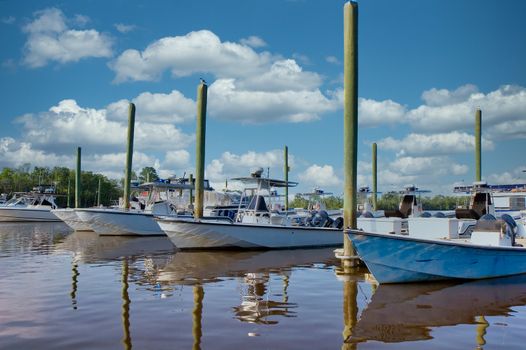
{"x": 24, "y": 178}
{"x": 388, "y": 201}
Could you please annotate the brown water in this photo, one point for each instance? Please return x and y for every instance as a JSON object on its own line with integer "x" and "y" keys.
{"x": 63, "y": 290}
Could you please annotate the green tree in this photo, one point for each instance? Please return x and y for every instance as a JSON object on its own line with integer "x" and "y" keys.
{"x": 298, "y": 202}
{"x": 148, "y": 174}
{"x": 23, "y": 179}
{"x": 389, "y": 201}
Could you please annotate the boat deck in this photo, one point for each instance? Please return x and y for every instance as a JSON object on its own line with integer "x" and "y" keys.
{"x": 518, "y": 241}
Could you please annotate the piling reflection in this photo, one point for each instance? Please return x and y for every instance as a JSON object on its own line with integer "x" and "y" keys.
{"x": 399, "y": 313}
{"x": 351, "y": 276}
{"x": 126, "y": 338}
{"x": 197, "y": 314}
{"x": 350, "y": 311}
{"x": 74, "y": 281}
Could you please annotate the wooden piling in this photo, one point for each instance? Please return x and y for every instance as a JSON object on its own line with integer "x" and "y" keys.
{"x": 350, "y": 116}
{"x": 478, "y": 145}
{"x": 129, "y": 156}
{"x": 375, "y": 182}
{"x": 286, "y": 171}
{"x": 98, "y": 193}
{"x": 77, "y": 179}
{"x": 200, "y": 135}
{"x": 191, "y": 180}
{"x": 69, "y": 190}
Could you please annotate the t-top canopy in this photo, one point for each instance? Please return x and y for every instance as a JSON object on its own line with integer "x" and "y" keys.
{"x": 265, "y": 181}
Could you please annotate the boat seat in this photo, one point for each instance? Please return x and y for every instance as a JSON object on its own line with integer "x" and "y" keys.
{"x": 258, "y": 205}
{"x": 462, "y": 213}
{"x": 406, "y": 207}
{"x": 478, "y": 207}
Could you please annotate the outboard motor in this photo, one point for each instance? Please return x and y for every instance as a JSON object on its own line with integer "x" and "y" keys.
{"x": 511, "y": 227}
{"x": 320, "y": 219}
{"x": 338, "y": 223}
{"x": 308, "y": 219}
{"x": 487, "y": 217}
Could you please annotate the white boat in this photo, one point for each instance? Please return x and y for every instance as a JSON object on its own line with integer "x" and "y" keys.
{"x": 69, "y": 217}
{"x": 120, "y": 222}
{"x": 508, "y": 199}
{"x": 411, "y": 219}
{"x": 158, "y": 199}
{"x": 255, "y": 226}
{"x": 30, "y": 206}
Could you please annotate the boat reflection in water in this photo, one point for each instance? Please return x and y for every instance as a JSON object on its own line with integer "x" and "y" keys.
{"x": 89, "y": 247}
{"x": 401, "y": 313}
{"x": 156, "y": 265}
{"x": 254, "y": 271}
{"x": 20, "y": 237}
{"x": 255, "y": 308}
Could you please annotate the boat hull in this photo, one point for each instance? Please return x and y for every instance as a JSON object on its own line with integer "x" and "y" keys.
{"x": 114, "y": 222}
{"x": 190, "y": 234}
{"x": 13, "y": 214}
{"x": 70, "y": 218}
{"x": 401, "y": 259}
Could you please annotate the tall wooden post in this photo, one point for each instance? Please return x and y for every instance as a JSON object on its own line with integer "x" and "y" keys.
{"x": 191, "y": 180}
{"x": 200, "y": 149}
{"x": 129, "y": 156}
{"x": 69, "y": 190}
{"x": 375, "y": 182}
{"x": 98, "y": 193}
{"x": 77, "y": 180}
{"x": 350, "y": 124}
{"x": 478, "y": 144}
{"x": 286, "y": 170}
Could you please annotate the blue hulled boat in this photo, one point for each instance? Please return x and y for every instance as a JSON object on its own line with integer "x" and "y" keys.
{"x": 400, "y": 259}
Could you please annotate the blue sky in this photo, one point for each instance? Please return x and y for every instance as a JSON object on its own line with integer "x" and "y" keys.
{"x": 274, "y": 70}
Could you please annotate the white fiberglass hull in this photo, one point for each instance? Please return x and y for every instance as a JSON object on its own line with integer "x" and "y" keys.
{"x": 190, "y": 234}
{"x": 70, "y": 218}
{"x": 26, "y": 214}
{"x": 118, "y": 222}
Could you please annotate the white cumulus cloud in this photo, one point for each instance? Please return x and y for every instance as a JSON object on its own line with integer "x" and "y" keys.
{"x": 50, "y": 39}
{"x": 455, "y": 110}
{"x": 173, "y": 107}
{"x": 374, "y": 113}
{"x": 68, "y": 125}
{"x": 434, "y": 144}
{"x": 228, "y": 101}
{"x": 125, "y": 28}
{"x": 253, "y": 41}
{"x": 14, "y": 153}
{"x": 320, "y": 175}
{"x": 231, "y": 165}
{"x": 200, "y": 51}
